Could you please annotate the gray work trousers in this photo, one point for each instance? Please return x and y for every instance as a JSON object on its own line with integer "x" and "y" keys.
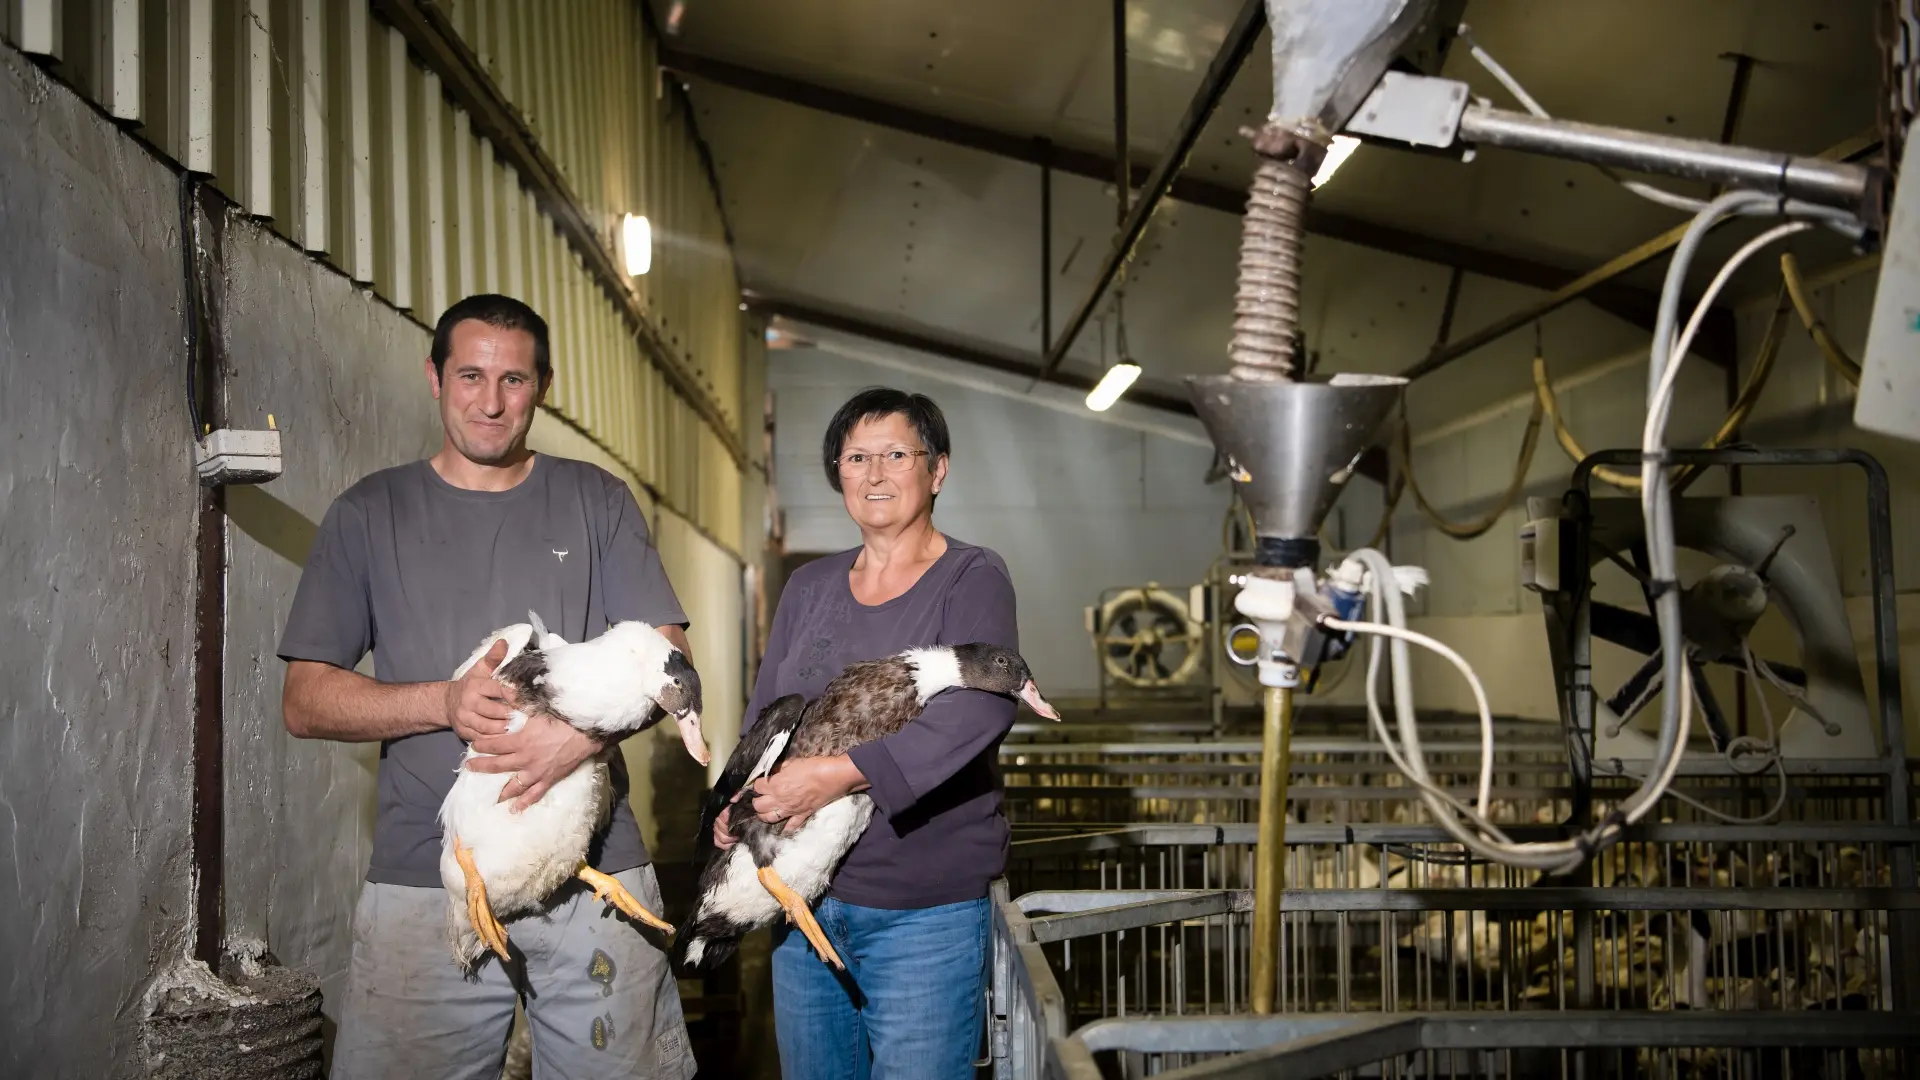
{"x": 602, "y": 1001}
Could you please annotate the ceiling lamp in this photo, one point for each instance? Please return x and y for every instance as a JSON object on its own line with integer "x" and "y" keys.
{"x": 636, "y": 236}
{"x": 1112, "y": 385}
{"x": 1338, "y": 151}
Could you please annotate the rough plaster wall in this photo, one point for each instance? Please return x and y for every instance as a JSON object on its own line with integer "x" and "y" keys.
{"x": 96, "y": 584}
{"x": 343, "y": 376}
{"x": 1074, "y": 505}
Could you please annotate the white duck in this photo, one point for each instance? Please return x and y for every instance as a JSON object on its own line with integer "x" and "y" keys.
{"x": 496, "y": 863}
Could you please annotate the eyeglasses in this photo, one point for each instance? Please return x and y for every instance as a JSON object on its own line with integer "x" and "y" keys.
{"x": 893, "y": 461}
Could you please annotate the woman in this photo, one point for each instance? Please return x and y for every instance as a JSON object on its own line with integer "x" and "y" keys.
{"x": 908, "y": 909}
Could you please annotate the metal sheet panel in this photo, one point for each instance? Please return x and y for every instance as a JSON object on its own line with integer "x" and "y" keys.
{"x": 310, "y": 108}
{"x": 463, "y": 221}
{"x": 489, "y": 219}
{"x": 430, "y": 143}
{"x": 116, "y": 34}
{"x": 352, "y": 124}
{"x": 517, "y": 210}
{"x": 191, "y": 95}
{"x": 36, "y": 26}
{"x": 397, "y": 274}
{"x": 253, "y": 128}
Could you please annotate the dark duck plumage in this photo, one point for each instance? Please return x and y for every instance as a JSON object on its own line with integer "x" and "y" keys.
{"x": 770, "y": 870}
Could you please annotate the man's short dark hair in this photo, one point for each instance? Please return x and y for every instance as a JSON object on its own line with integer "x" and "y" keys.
{"x": 499, "y": 312}
{"x": 877, "y": 402}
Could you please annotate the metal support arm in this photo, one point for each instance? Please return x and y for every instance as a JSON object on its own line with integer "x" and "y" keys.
{"x": 1419, "y": 110}
{"x": 1810, "y": 179}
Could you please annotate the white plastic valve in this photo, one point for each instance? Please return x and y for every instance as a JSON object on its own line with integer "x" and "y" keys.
{"x": 1270, "y": 603}
{"x": 1265, "y": 599}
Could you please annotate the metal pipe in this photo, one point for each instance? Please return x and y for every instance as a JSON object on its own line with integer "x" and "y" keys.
{"x": 1811, "y": 179}
{"x": 1270, "y": 851}
{"x": 1122, "y": 159}
{"x": 1226, "y": 64}
{"x": 204, "y": 263}
{"x": 1046, "y": 245}
{"x": 1603, "y": 274}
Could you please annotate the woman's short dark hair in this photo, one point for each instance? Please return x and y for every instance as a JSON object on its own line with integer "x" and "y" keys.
{"x": 875, "y": 403}
{"x": 499, "y": 312}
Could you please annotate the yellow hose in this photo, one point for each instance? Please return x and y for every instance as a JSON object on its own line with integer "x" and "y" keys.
{"x": 1386, "y": 512}
{"x": 1816, "y": 328}
{"x": 1470, "y": 529}
{"x": 1737, "y": 415}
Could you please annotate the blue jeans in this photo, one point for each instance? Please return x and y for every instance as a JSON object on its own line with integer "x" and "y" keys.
{"x": 910, "y": 1006}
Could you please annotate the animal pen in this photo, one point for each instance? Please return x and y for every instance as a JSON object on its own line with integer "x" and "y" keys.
{"x": 1692, "y": 948}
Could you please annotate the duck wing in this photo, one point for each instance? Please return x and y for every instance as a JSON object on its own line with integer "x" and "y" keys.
{"x": 753, "y": 757}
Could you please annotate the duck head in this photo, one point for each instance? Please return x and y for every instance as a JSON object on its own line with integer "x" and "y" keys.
{"x": 666, "y": 676}
{"x": 1001, "y": 671}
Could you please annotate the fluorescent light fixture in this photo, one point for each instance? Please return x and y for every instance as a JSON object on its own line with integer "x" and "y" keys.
{"x": 1112, "y": 385}
{"x": 1338, "y": 151}
{"x": 636, "y": 236}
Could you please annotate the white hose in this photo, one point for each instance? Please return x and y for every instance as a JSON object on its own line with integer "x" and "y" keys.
{"x": 1473, "y": 680}
{"x": 1475, "y": 833}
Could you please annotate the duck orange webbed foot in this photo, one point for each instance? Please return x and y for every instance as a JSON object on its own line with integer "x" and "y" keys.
{"x": 800, "y": 915}
{"x": 479, "y": 912}
{"x": 607, "y": 890}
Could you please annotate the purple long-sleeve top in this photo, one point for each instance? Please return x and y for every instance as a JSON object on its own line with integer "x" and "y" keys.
{"x": 937, "y": 835}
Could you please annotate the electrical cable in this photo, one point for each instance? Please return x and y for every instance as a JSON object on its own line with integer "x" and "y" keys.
{"x": 1389, "y": 616}
{"x": 1736, "y": 415}
{"x": 1478, "y": 526}
{"x": 1490, "y": 842}
{"x": 1656, "y": 491}
{"x": 1386, "y": 513}
{"x": 1816, "y": 327}
{"x": 1664, "y": 395}
{"x": 190, "y": 284}
{"x": 1473, "y": 681}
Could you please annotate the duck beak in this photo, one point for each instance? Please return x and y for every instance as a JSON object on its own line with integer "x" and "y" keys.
{"x": 690, "y": 735}
{"x": 1031, "y": 695}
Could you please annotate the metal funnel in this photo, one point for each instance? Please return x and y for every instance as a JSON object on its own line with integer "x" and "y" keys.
{"x": 1292, "y": 445}
{"x": 1329, "y": 54}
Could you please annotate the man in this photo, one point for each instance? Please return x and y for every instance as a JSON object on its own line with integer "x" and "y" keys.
{"x": 418, "y": 564}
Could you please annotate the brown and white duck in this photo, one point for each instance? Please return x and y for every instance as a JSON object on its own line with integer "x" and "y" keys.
{"x": 748, "y": 885}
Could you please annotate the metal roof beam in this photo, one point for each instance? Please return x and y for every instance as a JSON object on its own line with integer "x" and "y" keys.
{"x": 1634, "y": 305}
{"x": 1373, "y": 464}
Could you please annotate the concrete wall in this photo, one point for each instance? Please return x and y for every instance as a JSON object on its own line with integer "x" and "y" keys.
{"x": 341, "y": 372}
{"x": 1073, "y": 502}
{"x": 96, "y": 599}
{"x": 96, "y": 586}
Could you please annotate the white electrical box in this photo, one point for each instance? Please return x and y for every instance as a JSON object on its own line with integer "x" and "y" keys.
{"x": 229, "y": 456}
{"x": 1540, "y": 546}
{"x": 1889, "y": 398}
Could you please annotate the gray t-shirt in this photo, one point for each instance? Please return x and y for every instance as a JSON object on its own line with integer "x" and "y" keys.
{"x": 939, "y": 836}
{"x": 420, "y": 572}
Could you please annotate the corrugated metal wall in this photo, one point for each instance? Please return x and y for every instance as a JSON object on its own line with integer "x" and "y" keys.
{"x": 322, "y": 118}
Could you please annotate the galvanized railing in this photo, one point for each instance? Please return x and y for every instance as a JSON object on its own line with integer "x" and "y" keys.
{"x": 1692, "y": 948}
